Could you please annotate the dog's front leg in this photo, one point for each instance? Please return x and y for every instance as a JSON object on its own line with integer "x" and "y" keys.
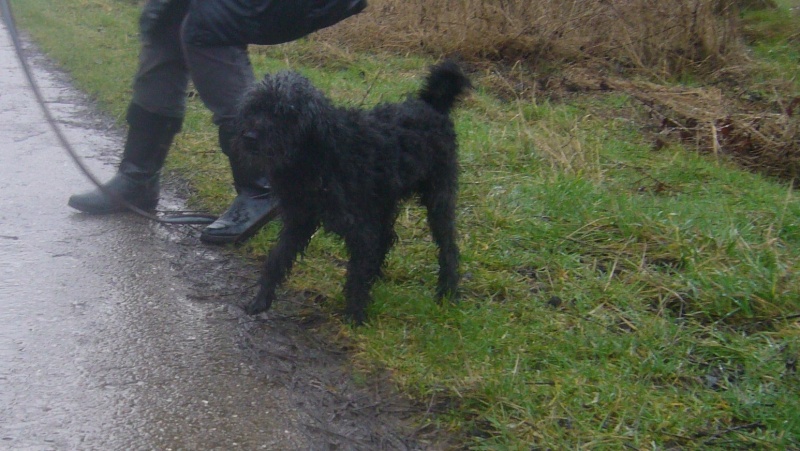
{"x": 367, "y": 252}
{"x": 293, "y": 239}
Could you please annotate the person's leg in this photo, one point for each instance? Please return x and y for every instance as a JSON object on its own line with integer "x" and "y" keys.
{"x": 222, "y": 74}
{"x": 155, "y": 116}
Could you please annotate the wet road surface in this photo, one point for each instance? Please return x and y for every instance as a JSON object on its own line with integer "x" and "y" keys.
{"x": 99, "y": 346}
{"x": 116, "y": 333}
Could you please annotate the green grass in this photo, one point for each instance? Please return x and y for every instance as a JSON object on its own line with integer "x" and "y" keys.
{"x": 774, "y": 35}
{"x": 613, "y": 295}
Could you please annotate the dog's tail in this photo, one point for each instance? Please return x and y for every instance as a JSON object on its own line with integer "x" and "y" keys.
{"x": 444, "y": 85}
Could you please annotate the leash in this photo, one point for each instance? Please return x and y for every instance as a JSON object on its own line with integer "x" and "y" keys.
{"x": 179, "y": 218}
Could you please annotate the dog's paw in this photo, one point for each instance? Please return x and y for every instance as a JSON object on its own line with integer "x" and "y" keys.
{"x": 355, "y": 317}
{"x": 448, "y": 296}
{"x": 259, "y": 305}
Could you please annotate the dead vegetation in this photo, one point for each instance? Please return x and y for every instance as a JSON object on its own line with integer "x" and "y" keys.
{"x": 630, "y": 46}
{"x": 661, "y": 37}
{"x": 761, "y": 136}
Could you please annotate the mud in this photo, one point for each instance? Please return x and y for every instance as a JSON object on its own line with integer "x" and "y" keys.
{"x": 118, "y": 333}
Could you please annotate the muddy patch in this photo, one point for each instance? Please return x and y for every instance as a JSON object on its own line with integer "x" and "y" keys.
{"x": 295, "y": 346}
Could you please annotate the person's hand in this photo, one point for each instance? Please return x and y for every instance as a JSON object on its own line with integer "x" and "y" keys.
{"x": 158, "y": 12}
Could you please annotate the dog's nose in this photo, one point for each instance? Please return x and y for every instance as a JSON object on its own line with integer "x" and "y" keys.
{"x": 250, "y": 135}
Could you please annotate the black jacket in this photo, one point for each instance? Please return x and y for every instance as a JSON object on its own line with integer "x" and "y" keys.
{"x": 232, "y": 22}
{"x": 241, "y": 22}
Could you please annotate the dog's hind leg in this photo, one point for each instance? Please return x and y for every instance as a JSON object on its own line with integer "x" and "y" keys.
{"x": 293, "y": 239}
{"x": 441, "y": 207}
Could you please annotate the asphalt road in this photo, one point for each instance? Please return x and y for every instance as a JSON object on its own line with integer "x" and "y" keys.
{"x": 100, "y": 347}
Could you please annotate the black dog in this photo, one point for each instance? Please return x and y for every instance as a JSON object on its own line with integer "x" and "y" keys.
{"x": 348, "y": 170}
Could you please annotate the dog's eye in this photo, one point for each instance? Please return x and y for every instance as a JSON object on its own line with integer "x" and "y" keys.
{"x": 250, "y": 136}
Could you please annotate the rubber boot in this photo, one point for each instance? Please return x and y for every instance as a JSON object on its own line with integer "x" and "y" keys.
{"x": 137, "y": 180}
{"x": 253, "y": 207}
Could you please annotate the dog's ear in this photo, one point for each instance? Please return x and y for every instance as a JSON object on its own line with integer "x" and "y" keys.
{"x": 304, "y": 108}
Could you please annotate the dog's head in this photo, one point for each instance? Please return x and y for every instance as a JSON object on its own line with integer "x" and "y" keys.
{"x": 279, "y": 120}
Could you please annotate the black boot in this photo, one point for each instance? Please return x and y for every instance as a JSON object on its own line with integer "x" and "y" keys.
{"x": 137, "y": 179}
{"x": 253, "y": 207}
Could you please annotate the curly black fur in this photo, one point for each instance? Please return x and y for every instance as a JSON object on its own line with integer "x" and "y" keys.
{"x": 348, "y": 170}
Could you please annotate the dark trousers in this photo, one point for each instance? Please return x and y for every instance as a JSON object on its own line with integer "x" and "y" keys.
{"x": 167, "y": 63}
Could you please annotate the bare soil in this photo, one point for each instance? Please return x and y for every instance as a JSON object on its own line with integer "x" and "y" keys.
{"x": 298, "y": 346}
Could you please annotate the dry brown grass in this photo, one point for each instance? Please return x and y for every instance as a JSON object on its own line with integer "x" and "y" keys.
{"x": 764, "y": 137}
{"x": 567, "y": 45}
{"x": 660, "y": 36}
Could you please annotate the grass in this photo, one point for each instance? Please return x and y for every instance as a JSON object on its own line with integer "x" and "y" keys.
{"x": 614, "y": 295}
{"x": 774, "y": 35}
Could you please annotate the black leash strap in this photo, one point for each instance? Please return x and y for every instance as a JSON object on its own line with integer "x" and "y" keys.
{"x": 181, "y": 218}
